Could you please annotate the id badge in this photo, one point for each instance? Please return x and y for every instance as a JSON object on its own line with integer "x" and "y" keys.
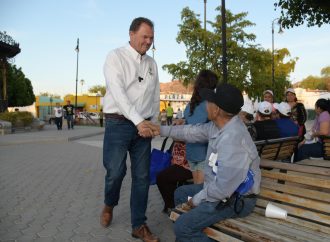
{"x": 213, "y": 159}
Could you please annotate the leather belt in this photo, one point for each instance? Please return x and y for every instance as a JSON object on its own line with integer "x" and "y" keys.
{"x": 118, "y": 116}
{"x": 115, "y": 116}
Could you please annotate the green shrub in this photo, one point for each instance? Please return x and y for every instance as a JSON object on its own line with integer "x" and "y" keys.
{"x": 25, "y": 117}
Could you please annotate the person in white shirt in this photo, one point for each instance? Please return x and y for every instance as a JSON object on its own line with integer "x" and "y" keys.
{"x": 131, "y": 103}
{"x": 179, "y": 114}
{"x": 58, "y": 113}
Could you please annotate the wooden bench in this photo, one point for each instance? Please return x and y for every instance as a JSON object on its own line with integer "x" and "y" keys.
{"x": 280, "y": 149}
{"x": 326, "y": 147}
{"x": 303, "y": 191}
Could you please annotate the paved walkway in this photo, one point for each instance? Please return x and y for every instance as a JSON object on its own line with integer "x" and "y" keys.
{"x": 51, "y": 189}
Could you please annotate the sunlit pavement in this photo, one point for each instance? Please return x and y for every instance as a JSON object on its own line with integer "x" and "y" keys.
{"x": 51, "y": 189}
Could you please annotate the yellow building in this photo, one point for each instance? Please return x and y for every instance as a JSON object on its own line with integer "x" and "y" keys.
{"x": 88, "y": 102}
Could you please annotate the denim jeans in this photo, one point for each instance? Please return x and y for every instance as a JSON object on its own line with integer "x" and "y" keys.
{"x": 121, "y": 136}
{"x": 69, "y": 120}
{"x": 189, "y": 226}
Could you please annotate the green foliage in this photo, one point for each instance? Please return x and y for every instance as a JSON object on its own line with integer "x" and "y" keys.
{"x": 249, "y": 65}
{"x": 325, "y": 72}
{"x": 14, "y": 117}
{"x": 20, "y": 90}
{"x": 97, "y": 89}
{"x": 314, "y": 82}
{"x": 297, "y": 12}
{"x": 47, "y": 94}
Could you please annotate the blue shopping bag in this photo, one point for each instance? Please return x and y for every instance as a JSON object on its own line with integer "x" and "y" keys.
{"x": 159, "y": 161}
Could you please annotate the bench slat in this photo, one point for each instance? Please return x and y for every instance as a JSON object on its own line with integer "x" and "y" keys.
{"x": 317, "y": 182}
{"x": 295, "y": 200}
{"x": 293, "y": 231}
{"x": 294, "y": 190}
{"x": 300, "y": 168}
{"x": 300, "y": 222}
{"x": 299, "y": 212}
{"x": 251, "y": 232}
{"x": 320, "y": 163}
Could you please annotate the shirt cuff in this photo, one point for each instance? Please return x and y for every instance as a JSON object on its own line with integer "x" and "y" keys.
{"x": 136, "y": 119}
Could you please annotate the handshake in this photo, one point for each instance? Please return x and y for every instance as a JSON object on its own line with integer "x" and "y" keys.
{"x": 148, "y": 129}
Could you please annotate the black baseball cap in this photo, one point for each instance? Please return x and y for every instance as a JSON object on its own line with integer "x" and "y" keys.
{"x": 228, "y": 97}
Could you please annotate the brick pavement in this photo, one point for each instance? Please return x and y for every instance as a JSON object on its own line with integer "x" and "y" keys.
{"x": 53, "y": 191}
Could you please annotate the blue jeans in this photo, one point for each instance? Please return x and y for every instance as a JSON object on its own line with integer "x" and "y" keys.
{"x": 69, "y": 120}
{"x": 309, "y": 150}
{"x": 121, "y": 136}
{"x": 189, "y": 226}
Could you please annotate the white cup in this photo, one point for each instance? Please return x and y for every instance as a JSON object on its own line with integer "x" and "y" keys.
{"x": 275, "y": 212}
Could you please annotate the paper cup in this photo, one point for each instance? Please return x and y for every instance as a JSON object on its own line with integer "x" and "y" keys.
{"x": 275, "y": 212}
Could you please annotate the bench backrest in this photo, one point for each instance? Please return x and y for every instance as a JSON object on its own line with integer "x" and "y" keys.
{"x": 304, "y": 191}
{"x": 277, "y": 149}
{"x": 326, "y": 147}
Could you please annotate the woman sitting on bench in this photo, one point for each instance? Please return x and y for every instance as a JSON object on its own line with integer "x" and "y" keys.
{"x": 321, "y": 127}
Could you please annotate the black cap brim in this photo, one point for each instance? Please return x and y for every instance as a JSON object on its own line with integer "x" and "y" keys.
{"x": 207, "y": 94}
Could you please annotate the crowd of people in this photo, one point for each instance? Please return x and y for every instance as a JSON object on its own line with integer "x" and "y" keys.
{"x": 216, "y": 133}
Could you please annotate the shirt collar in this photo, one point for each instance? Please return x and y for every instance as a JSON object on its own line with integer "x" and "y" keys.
{"x": 227, "y": 126}
{"x": 136, "y": 55}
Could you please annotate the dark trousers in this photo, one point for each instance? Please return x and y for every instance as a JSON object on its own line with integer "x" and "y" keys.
{"x": 169, "y": 120}
{"x": 58, "y": 122}
{"x": 168, "y": 180}
{"x": 309, "y": 150}
{"x": 101, "y": 122}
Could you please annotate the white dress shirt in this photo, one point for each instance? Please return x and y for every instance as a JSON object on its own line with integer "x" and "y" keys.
{"x": 132, "y": 85}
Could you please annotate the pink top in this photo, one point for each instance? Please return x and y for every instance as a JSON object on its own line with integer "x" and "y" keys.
{"x": 322, "y": 117}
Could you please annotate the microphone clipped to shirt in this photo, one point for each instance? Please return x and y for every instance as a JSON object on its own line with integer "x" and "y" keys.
{"x": 140, "y": 78}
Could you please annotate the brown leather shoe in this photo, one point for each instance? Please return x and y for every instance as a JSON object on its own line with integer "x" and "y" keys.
{"x": 106, "y": 216}
{"x": 144, "y": 234}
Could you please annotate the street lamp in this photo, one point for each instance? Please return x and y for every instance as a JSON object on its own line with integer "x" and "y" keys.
{"x": 273, "y": 54}
{"x": 205, "y": 1}
{"x": 77, "y": 50}
{"x": 224, "y": 41}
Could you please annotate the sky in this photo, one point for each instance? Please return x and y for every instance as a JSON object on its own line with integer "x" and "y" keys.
{"x": 47, "y": 31}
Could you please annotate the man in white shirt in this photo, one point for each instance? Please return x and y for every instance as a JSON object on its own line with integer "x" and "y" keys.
{"x": 130, "y": 102}
{"x": 58, "y": 113}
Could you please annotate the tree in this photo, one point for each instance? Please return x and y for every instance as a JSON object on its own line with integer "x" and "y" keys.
{"x": 20, "y": 90}
{"x": 249, "y": 66}
{"x": 47, "y": 94}
{"x": 316, "y": 82}
{"x": 296, "y": 12}
{"x": 97, "y": 89}
{"x": 325, "y": 72}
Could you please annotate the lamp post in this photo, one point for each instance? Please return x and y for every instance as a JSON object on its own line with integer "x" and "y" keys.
{"x": 224, "y": 41}
{"x": 77, "y": 50}
{"x": 205, "y": 1}
{"x": 51, "y": 105}
{"x": 273, "y": 53}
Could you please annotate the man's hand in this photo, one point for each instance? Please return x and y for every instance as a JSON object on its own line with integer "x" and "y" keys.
{"x": 180, "y": 121}
{"x": 148, "y": 129}
{"x": 190, "y": 203}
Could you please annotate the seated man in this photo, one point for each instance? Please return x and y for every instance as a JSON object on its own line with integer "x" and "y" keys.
{"x": 231, "y": 156}
{"x": 285, "y": 124}
{"x": 266, "y": 128}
